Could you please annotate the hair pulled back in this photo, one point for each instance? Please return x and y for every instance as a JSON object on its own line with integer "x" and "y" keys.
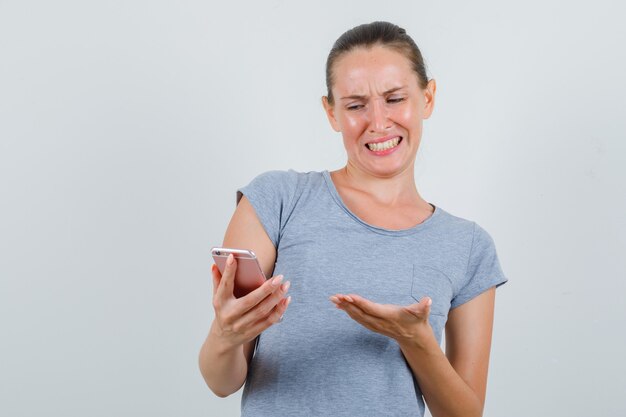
{"x": 371, "y": 34}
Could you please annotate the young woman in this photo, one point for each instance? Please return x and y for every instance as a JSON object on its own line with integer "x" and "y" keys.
{"x": 376, "y": 272}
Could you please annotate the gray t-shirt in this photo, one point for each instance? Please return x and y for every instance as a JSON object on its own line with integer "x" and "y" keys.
{"x": 318, "y": 361}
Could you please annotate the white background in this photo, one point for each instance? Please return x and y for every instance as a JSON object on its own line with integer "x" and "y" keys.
{"x": 126, "y": 126}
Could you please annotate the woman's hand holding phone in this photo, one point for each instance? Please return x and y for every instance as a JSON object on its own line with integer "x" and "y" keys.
{"x": 241, "y": 320}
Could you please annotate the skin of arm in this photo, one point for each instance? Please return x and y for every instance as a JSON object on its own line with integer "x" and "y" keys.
{"x": 225, "y": 354}
{"x": 453, "y": 384}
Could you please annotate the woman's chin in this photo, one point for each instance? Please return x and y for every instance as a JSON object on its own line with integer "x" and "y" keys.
{"x": 386, "y": 170}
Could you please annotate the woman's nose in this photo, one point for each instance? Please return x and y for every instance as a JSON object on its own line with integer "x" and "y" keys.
{"x": 379, "y": 118}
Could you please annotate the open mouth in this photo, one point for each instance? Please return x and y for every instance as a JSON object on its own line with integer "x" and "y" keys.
{"x": 384, "y": 146}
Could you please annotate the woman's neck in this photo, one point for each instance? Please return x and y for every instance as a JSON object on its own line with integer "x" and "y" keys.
{"x": 397, "y": 190}
{"x": 391, "y": 203}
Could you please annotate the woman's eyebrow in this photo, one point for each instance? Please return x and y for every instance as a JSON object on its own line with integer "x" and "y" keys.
{"x": 393, "y": 90}
{"x": 353, "y": 97}
{"x": 362, "y": 97}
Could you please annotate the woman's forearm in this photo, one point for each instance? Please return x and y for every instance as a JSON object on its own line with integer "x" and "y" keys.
{"x": 445, "y": 392}
{"x": 224, "y": 368}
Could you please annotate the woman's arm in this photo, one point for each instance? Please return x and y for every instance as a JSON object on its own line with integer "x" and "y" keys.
{"x": 454, "y": 385}
{"x": 228, "y": 348}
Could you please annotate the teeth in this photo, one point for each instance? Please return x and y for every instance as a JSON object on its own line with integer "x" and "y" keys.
{"x": 383, "y": 146}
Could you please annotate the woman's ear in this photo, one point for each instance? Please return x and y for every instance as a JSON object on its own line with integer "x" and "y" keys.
{"x": 429, "y": 98}
{"x": 330, "y": 113}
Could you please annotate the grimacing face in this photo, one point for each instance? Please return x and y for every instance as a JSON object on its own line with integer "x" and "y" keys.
{"x": 379, "y": 108}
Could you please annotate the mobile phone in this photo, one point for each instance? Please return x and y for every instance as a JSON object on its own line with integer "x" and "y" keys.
{"x": 249, "y": 275}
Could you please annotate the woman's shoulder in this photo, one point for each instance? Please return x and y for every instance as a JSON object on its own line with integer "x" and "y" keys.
{"x": 454, "y": 225}
{"x": 452, "y": 221}
{"x": 274, "y": 195}
{"x": 288, "y": 180}
{"x": 289, "y": 175}
{"x": 282, "y": 184}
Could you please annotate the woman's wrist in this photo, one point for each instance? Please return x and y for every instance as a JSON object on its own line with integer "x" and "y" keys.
{"x": 220, "y": 344}
{"x": 423, "y": 341}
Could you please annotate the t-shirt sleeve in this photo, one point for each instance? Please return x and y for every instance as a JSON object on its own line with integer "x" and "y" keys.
{"x": 483, "y": 268}
{"x": 272, "y": 195}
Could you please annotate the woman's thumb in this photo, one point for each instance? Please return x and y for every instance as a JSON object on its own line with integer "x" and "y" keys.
{"x": 422, "y": 309}
{"x": 216, "y": 277}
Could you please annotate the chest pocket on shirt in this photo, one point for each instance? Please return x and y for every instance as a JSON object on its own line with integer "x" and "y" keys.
{"x": 431, "y": 282}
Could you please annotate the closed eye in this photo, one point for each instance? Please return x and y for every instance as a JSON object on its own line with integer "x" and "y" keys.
{"x": 395, "y": 99}
{"x": 354, "y": 106}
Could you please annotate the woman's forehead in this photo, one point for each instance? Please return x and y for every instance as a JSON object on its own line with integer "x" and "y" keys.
{"x": 361, "y": 70}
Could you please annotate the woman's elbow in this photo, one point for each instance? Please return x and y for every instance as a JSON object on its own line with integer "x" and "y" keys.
{"x": 220, "y": 391}
{"x": 221, "y": 394}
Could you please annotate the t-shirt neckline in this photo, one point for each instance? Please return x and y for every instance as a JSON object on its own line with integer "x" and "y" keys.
{"x": 397, "y": 232}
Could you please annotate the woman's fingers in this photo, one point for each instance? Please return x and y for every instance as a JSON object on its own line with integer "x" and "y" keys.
{"x": 390, "y": 320}
{"x": 240, "y": 318}
{"x": 223, "y": 295}
{"x": 251, "y": 300}
{"x": 421, "y": 309}
{"x": 243, "y": 319}
{"x": 373, "y": 309}
{"x": 274, "y": 317}
{"x": 246, "y": 332}
{"x": 265, "y": 307}
{"x": 357, "y": 314}
{"x": 227, "y": 281}
{"x": 368, "y": 307}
